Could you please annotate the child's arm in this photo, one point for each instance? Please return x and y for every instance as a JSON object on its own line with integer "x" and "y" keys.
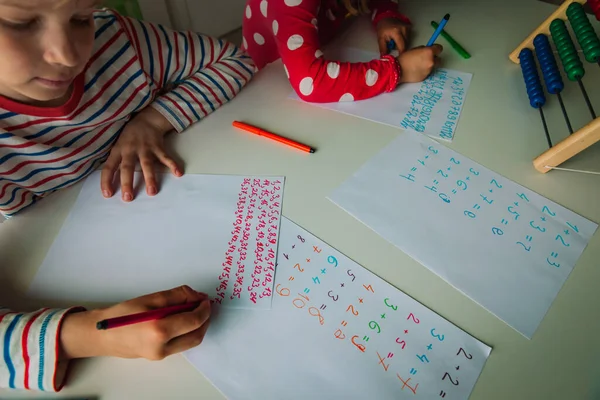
{"x": 381, "y": 9}
{"x": 316, "y": 79}
{"x": 35, "y": 347}
{"x": 190, "y": 74}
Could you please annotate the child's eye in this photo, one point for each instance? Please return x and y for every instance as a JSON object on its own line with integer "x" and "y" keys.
{"x": 19, "y": 26}
{"x": 83, "y": 21}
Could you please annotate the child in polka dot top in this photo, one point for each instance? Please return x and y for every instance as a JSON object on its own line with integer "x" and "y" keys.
{"x": 295, "y": 30}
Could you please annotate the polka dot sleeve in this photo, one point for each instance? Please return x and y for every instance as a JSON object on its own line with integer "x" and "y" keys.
{"x": 315, "y": 79}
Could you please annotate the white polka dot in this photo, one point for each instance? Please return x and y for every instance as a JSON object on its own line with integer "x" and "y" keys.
{"x": 314, "y": 22}
{"x": 286, "y": 71}
{"x": 330, "y": 15}
{"x": 295, "y": 42}
{"x": 347, "y": 97}
{"x": 259, "y": 39}
{"x": 245, "y": 43}
{"x": 333, "y": 70}
{"x": 275, "y": 27}
{"x": 292, "y": 3}
{"x": 263, "y": 7}
{"x": 248, "y": 12}
{"x": 318, "y": 54}
{"x": 371, "y": 77}
{"x": 306, "y": 86}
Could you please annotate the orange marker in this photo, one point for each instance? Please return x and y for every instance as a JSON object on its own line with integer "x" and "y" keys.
{"x": 280, "y": 139}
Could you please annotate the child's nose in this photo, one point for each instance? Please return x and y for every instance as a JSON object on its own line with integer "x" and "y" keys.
{"x": 61, "y": 49}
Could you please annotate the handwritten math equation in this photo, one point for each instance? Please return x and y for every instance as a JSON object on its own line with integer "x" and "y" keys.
{"x": 403, "y": 340}
{"x": 440, "y": 99}
{"x": 249, "y": 261}
{"x": 485, "y": 198}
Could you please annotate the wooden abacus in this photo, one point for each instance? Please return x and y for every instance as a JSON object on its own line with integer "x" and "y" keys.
{"x": 571, "y": 10}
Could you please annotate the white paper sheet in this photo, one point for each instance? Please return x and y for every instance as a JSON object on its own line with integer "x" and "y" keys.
{"x": 336, "y": 331}
{"x": 218, "y": 234}
{"x": 432, "y": 107}
{"x": 504, "y": 246}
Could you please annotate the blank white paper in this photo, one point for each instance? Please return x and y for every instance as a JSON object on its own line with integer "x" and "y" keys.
{"x": 504, "y": 246}
{"x": 432, "y": 107}
{"x": 216, "y": 233}
{"x": 336, "y": 331}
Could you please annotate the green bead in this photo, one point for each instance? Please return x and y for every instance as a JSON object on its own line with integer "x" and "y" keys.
{"x": 586, "y": 36}
{"x": 566, "y": 50}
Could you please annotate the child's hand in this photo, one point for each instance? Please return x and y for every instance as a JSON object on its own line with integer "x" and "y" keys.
{"x": 142, "y": 140}
{"x": 416, "y": 64}
{"x": 152, "y": 340}
{"x": 392, "y": 29}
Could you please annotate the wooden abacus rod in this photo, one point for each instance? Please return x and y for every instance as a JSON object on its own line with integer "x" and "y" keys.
{"x": 569, "y": 147}
{"x": 544, "y": 28}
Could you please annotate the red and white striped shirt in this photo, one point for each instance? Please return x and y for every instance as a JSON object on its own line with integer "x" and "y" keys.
{"x": 183, "y": 75}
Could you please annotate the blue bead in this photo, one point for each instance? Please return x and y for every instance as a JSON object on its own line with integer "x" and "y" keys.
{"x": 552, "y": 77}
{"x": 532, "y": 79}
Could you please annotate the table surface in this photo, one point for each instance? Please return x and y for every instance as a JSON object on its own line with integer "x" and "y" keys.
{"x": 497, "y": 129}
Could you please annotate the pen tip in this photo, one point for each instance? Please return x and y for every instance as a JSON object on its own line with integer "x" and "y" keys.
{"x": 312, "y": 150}
{"x": 102, "y": 325}
{"x": 447, "y": 17}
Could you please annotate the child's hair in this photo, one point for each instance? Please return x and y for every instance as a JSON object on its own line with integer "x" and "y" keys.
{"x": 363, "y": 7}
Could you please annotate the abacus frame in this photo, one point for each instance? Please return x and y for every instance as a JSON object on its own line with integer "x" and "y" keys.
{"x": 584, "y": 137}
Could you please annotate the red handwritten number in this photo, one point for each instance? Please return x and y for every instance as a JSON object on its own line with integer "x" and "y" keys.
{"x": 401, "y": 342}
{"x": 468, "y": 356}
{"x": 449, "y": 377}
{"x": 416, "y": 320}
{"x": 299, "y": 267}
{"x": 405, "y": 384}
{"x": 351, "y": 307}
{"x": 369, "y": 288}
{"x": 381, "y": 361}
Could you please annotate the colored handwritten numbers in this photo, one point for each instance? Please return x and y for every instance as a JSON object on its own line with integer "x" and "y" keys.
{"x": 474, "y": 172}
{"x": 462, "y": 184}
{"x": 332, "y": 296}
{"x": 349, "y": 272}
{"x": 332, "y": 260}
{"x": 406, "y": 385}
{"x": 438, "y": 337}
{"x": 415, "y": 319}
{"x": 393, "y": 307}
{"x": 382, "y": 362}
{"x": 553, "y": 255}
{"x": 469, "y": 214}
{"x": 497, "y": 231}
{"x": 444, "y": 198}
{"x": 316, "y": 249}
{"x": 445, "y": 175}
{"x": 299, "y": 268}
{"x": 454, "y": 161}
{"x": 352, "y": 310}
{"x": 484, "y": 198}
{"x": 447, "y": 375}
{"x": 359, "y": 346}
{"x": 536, "y": 227}
{"x": 316, "y": 313}
{"x": 316, "y": 280}
{"x": 283, "y": 292}
{"x": 574, "y": 227}
{"x": 495, "y": 183}
{"x": 369, "y": 288}
{"x": 375, "y": 326}
{"x": 523, "y": 196}
{"x": 546, "y": 210}
{"x": 300, "y": 300}
{"x": 467, "y": 356}
{"x": 513, "y": 212}
{"x": 410, "y": 177}
{"x": 401, "y": 343}
{"x": 301, "y": 239}
{"x": 559, "y": 237}
{"x": 433, "y": 150}
{"x": 423, "y": 358}
{"x": 339, "y": 334}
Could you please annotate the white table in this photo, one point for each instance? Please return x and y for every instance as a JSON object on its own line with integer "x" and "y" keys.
{"x": 497, "y": 129}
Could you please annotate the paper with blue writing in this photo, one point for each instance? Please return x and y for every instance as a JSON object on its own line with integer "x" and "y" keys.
{"x": 336, "y": 331}
{"x": 504, "y": 246}
{"x": 432, "y": 107}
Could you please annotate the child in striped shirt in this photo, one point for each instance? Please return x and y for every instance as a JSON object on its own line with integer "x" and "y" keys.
{"x": 80, "y": 88}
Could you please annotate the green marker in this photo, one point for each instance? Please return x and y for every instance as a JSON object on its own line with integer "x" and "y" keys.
{"x": 459, "y": 49}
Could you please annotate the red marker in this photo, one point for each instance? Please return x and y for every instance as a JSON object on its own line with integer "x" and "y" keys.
{"x": 280, "y": 139}
{"x": 145, "y": 316}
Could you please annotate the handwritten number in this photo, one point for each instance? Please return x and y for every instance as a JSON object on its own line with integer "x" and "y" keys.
{"x": 299, "y": 267}
{"x": 442, "y": 173}
{"x": 462, "y": 184}
{"x": 423, "y": 357}
{"x": 471, "y": 170}
{"x": 416, "y": 320}
{"x": 537, "y": 227}
{"x": 574, "y": 227}
{"x": 455, "y": 161}
{"x": 438, "y": 337}
{"x": 468, "y": 356}
{"x": 334, "y": 297}
{"x": 352, "y": 310}
{"x": 525, "y": 247}
{"x": 393, "y": 307}
{"x": 495, "y": 182}
{"x": 547, "y": 210}
{"x": 374, "y": 325}
{"x": 281, "y": 291}
{"x": 332, "y": 260}
{"x": 349, "y": 272}
{"x": 301, "y": 239}
{"x": 559, "y": 237}
{"x": 449, "y": 377}
{"x": 470, "y": 214}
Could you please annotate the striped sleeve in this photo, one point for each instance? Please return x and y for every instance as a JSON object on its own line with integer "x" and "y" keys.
{"x": 191, "y": 74}
{"x": 29, "y": 350}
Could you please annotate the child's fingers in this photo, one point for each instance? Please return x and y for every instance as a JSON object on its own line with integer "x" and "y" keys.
{"x": 187, "y": 341}
{"x": 172, "y": 297}
{"x": 108, "y": 173}
{"x": 168, "y": 162}
{"x": 383, "y": 45}
{"x": 127, "y": 171}
{"x": 147, "y": 164}
{"x": 400, "y": 40}
{"x": 177, "y": 325}
{"x": 437, "y": 49}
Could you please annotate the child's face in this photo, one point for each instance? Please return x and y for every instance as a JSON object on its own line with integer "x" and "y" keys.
{"x": 44, "y": 45}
